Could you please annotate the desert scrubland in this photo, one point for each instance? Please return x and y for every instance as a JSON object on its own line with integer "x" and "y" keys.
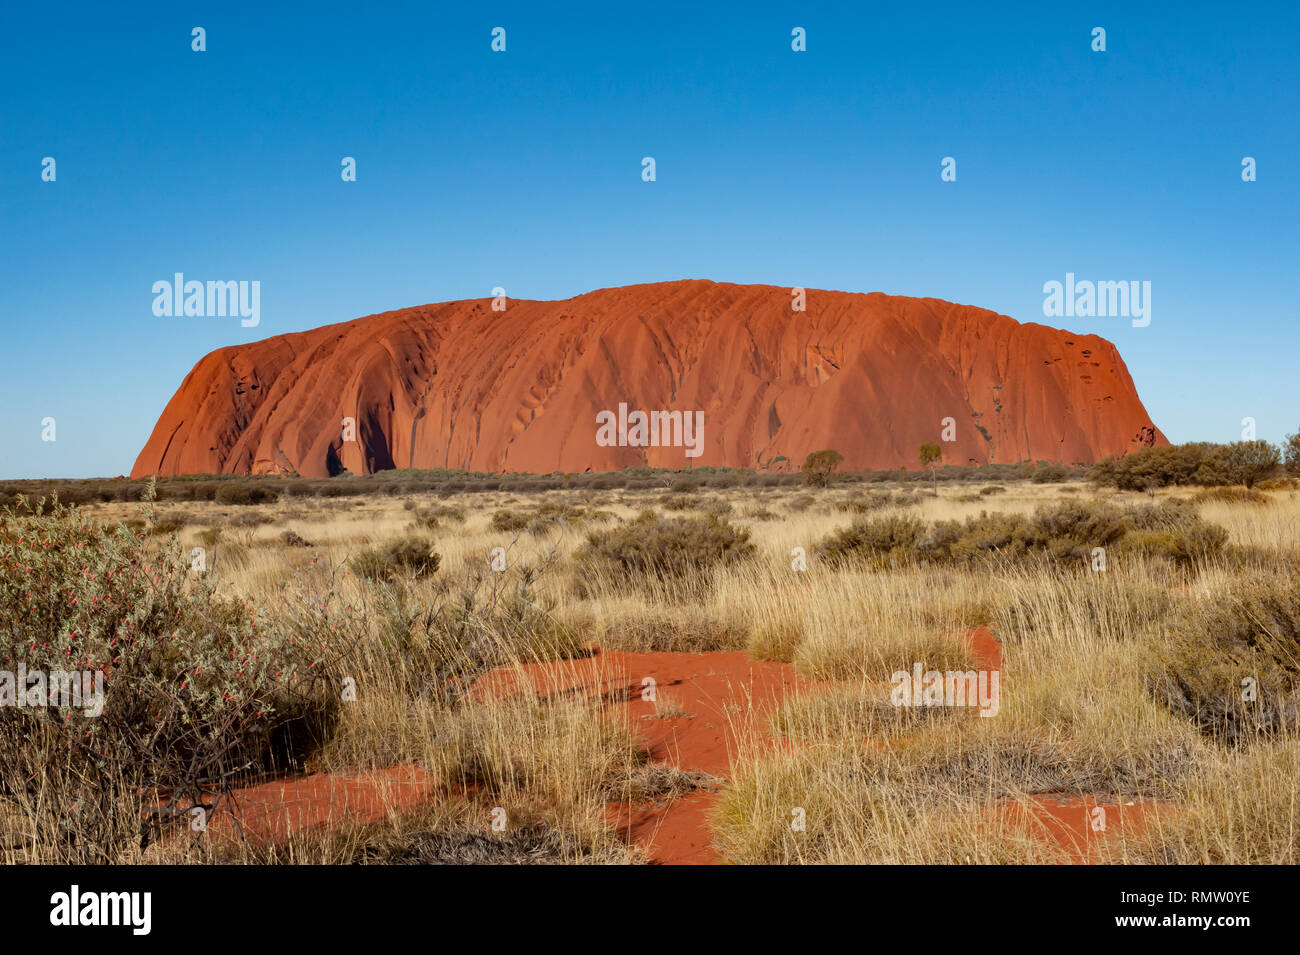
{"x": 458, "y": 677}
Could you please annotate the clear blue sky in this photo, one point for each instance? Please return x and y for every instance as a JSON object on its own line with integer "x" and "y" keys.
{"x": 523, "y": 169}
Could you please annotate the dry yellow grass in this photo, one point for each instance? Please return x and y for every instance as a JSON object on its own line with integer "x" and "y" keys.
{"x": 875, "y": 783}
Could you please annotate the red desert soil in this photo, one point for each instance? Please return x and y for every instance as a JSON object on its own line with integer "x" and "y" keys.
{"x": 725, "y": 697}
{"x": 1068, "y": 822}
{"x": 272, "y": 811}
{"x": 722, "y": 696}
{"x": 458, "y": 385}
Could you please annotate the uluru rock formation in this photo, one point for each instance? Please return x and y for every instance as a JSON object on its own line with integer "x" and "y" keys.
{"x": 459, "y": 385}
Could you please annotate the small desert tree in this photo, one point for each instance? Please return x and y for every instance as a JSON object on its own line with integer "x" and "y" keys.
{"x": 929, "y": 454}
{"x": 819, "y": 466}
{"x": 1291, "y": 451}
{"x": 1247, "y": 462}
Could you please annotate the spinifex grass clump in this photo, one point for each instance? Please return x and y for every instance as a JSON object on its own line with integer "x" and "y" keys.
{"x": 434, "y": 518}
{"x": 543, "y": 517}
{"x": 435, "y": 648}
{"x": 411, "y": 556}
{"x": 653, "y": 548}
{"x": 1232, "y": 661}
{"x": 196, "y": 687}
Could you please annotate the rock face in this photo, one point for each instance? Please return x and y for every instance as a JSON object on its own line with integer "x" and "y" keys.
{"x": 459, "y": 385}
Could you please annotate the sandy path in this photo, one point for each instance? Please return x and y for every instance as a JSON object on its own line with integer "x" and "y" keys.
{"x": 719, "y": 695}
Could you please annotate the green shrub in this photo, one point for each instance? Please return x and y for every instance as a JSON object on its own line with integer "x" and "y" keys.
{"x": 432, "y": 518}
{"x": 1066, "y": 533}
{"x": 1070, "y": 530}
{"x": 667, "y": 547}
{"x": 885, "y": 538}
{"x": 1203, "y": 463}
{"x": 1173, "y": 529}
{"x": 1049, "y": 474}
{"x": 1241, "y": 462}
{"x": 195, "y": 685}
{"x": 1291, "y": 453}
{"x": 1003, "y": 535}
{"x": 819, "y": 467}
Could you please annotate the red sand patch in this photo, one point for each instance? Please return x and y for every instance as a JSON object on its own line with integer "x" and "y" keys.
{"x": 723, "y": 698}
{"x": 272, "y": 811}
{"x": 726, "y": 698}
{"x": 720, "y": 694}
{"x": 711, "y": 703}
{"x": 677, "y": 833}
{"x": 1073, "y": 823}
{"x": 986, "y": 647}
